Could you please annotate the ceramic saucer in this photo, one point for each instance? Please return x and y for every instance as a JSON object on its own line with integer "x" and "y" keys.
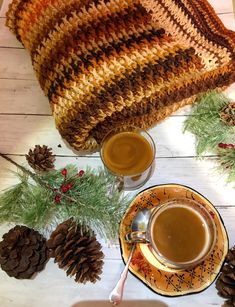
{"x": 144, "y": 265}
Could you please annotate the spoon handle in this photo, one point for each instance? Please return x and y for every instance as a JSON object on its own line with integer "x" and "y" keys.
{"x": 115, "y": 296}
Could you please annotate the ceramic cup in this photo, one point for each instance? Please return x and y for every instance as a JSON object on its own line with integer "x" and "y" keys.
{"x": 154, "y": 233}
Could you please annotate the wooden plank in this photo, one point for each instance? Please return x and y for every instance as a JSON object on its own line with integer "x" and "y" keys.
{"x": 4, "y": 8}
{"x": 26, "y": 97}
{"x": 15, "y": 64}
{"x": 219, "y": 6}
{"x": 7, "y": 39}
{"x": 19, "y": 133}
{"x": 22, "y": 96}
{"x": 228, "y": 20}
{"x": 65, "y": 292}
{"x": 201, "y": 175}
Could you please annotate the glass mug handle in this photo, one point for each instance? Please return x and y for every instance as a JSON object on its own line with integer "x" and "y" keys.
{"x": 137, "y": 237}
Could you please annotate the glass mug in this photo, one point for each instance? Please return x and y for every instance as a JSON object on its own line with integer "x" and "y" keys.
{"x": 128, "y": 153}
{"x": 181, "y": 233}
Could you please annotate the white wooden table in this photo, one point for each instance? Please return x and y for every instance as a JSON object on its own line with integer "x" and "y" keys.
{"x": 25, "y": 120}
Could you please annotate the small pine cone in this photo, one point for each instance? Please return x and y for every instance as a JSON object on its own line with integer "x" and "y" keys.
{"x": 77, "y": 251}
{"x": 225, "y": 283}
{"x": 227, "y": 114}
{"x": 41, "y": 158}
{"x": 23, "y": 252}
{"x": 229, "y": 303}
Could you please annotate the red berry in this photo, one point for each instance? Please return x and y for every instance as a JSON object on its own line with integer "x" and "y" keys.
{"x": 69, "y": 186}
{"x": 225, "y": 146}
{"x": 64, "y": 172}
{"x": 81, "y": 173}
{"x": 57, "y": 199}
{"x": 64, "y": 188}
{"x": 222, "y": 145}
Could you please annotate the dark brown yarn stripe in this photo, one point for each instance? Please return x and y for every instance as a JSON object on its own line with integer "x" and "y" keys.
{"x": 174, "y": 20}
{"x": 136, "y": 12}
{"x": 131, "y": 82}
{"x": 86, "y": 62}
{"x": 155, "y": 104}
{"x": 202, "y": 26}
{"x": 58, "y": 19}
{"x": 133, "y": 18}
{"x": 202, "y": 9}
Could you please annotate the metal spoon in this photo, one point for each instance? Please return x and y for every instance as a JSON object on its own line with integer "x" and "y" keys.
{"x": 139, "y": 223}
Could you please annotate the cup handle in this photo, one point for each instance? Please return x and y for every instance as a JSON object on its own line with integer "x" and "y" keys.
{"x": 137, "y": 237}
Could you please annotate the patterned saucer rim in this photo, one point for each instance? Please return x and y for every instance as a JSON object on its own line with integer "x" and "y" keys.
{"x": 223, "y": 231}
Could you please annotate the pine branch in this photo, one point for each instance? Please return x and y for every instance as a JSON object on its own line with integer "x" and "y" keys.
{"x": 89, "y": 197}
{"x": 35, "y": 177}
{"x": 206, "y": 124}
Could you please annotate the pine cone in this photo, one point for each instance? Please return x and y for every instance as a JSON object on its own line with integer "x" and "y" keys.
{"x": 227, "y": 114}
{"x": 225, "y": 283}
{"x": 229, "y": 303}
{"x": 77, "y": 251}
{"x": 23, "y": 252}
{"x": 41, "y": 158}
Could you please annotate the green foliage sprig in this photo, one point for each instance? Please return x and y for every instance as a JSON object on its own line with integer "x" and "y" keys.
{"x": 226, "y": 155}
{"x": 205, "y": 123}
{"x": 212, "y": 132}
{"x": 42, "y": 200}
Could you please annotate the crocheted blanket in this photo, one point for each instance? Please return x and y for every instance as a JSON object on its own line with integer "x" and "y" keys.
{"x": 106, "y": 63}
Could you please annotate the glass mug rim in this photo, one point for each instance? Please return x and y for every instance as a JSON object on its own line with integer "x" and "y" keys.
{"x": 128, "y": 129}
{"x": 146, "y": 236}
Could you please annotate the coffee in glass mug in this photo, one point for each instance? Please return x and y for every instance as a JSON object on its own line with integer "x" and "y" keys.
{"x": 128, "y": 153}
{"x": 180, "y": 232}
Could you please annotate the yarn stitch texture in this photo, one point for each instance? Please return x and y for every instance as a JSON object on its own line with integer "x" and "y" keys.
{"x": 106, "y": 63}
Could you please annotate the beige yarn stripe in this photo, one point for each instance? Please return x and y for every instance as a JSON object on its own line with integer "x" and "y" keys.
{"x": 192, "y": 32}
{"x": 143, "y": 93}
{"x": 151, "y": 90}
{"x": 80, "y": 89}
{"x": 33, "y": 29}
{"x": 175, "y": 83}
{"x": 191, "y": 36}
{"x": 83, "y": 18}
{"x": 57, "y": 70}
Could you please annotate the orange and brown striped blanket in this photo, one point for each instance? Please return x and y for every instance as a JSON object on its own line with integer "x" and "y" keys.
{"x": 106, "y": 63}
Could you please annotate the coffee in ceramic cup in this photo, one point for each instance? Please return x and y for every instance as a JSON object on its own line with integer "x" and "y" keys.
{"x": 181, "y": 233}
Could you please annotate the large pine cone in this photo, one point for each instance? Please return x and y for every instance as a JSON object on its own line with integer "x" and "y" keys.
{"x": 76, "y": 250}
{"x": 41, "y": 158}
{"x": 227, "y": 114}
{"x": 23, "y": 252}
{"x": 225, "y": 283}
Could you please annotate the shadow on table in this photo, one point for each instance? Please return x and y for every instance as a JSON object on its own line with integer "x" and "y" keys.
{"x": 152, "y": 303}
